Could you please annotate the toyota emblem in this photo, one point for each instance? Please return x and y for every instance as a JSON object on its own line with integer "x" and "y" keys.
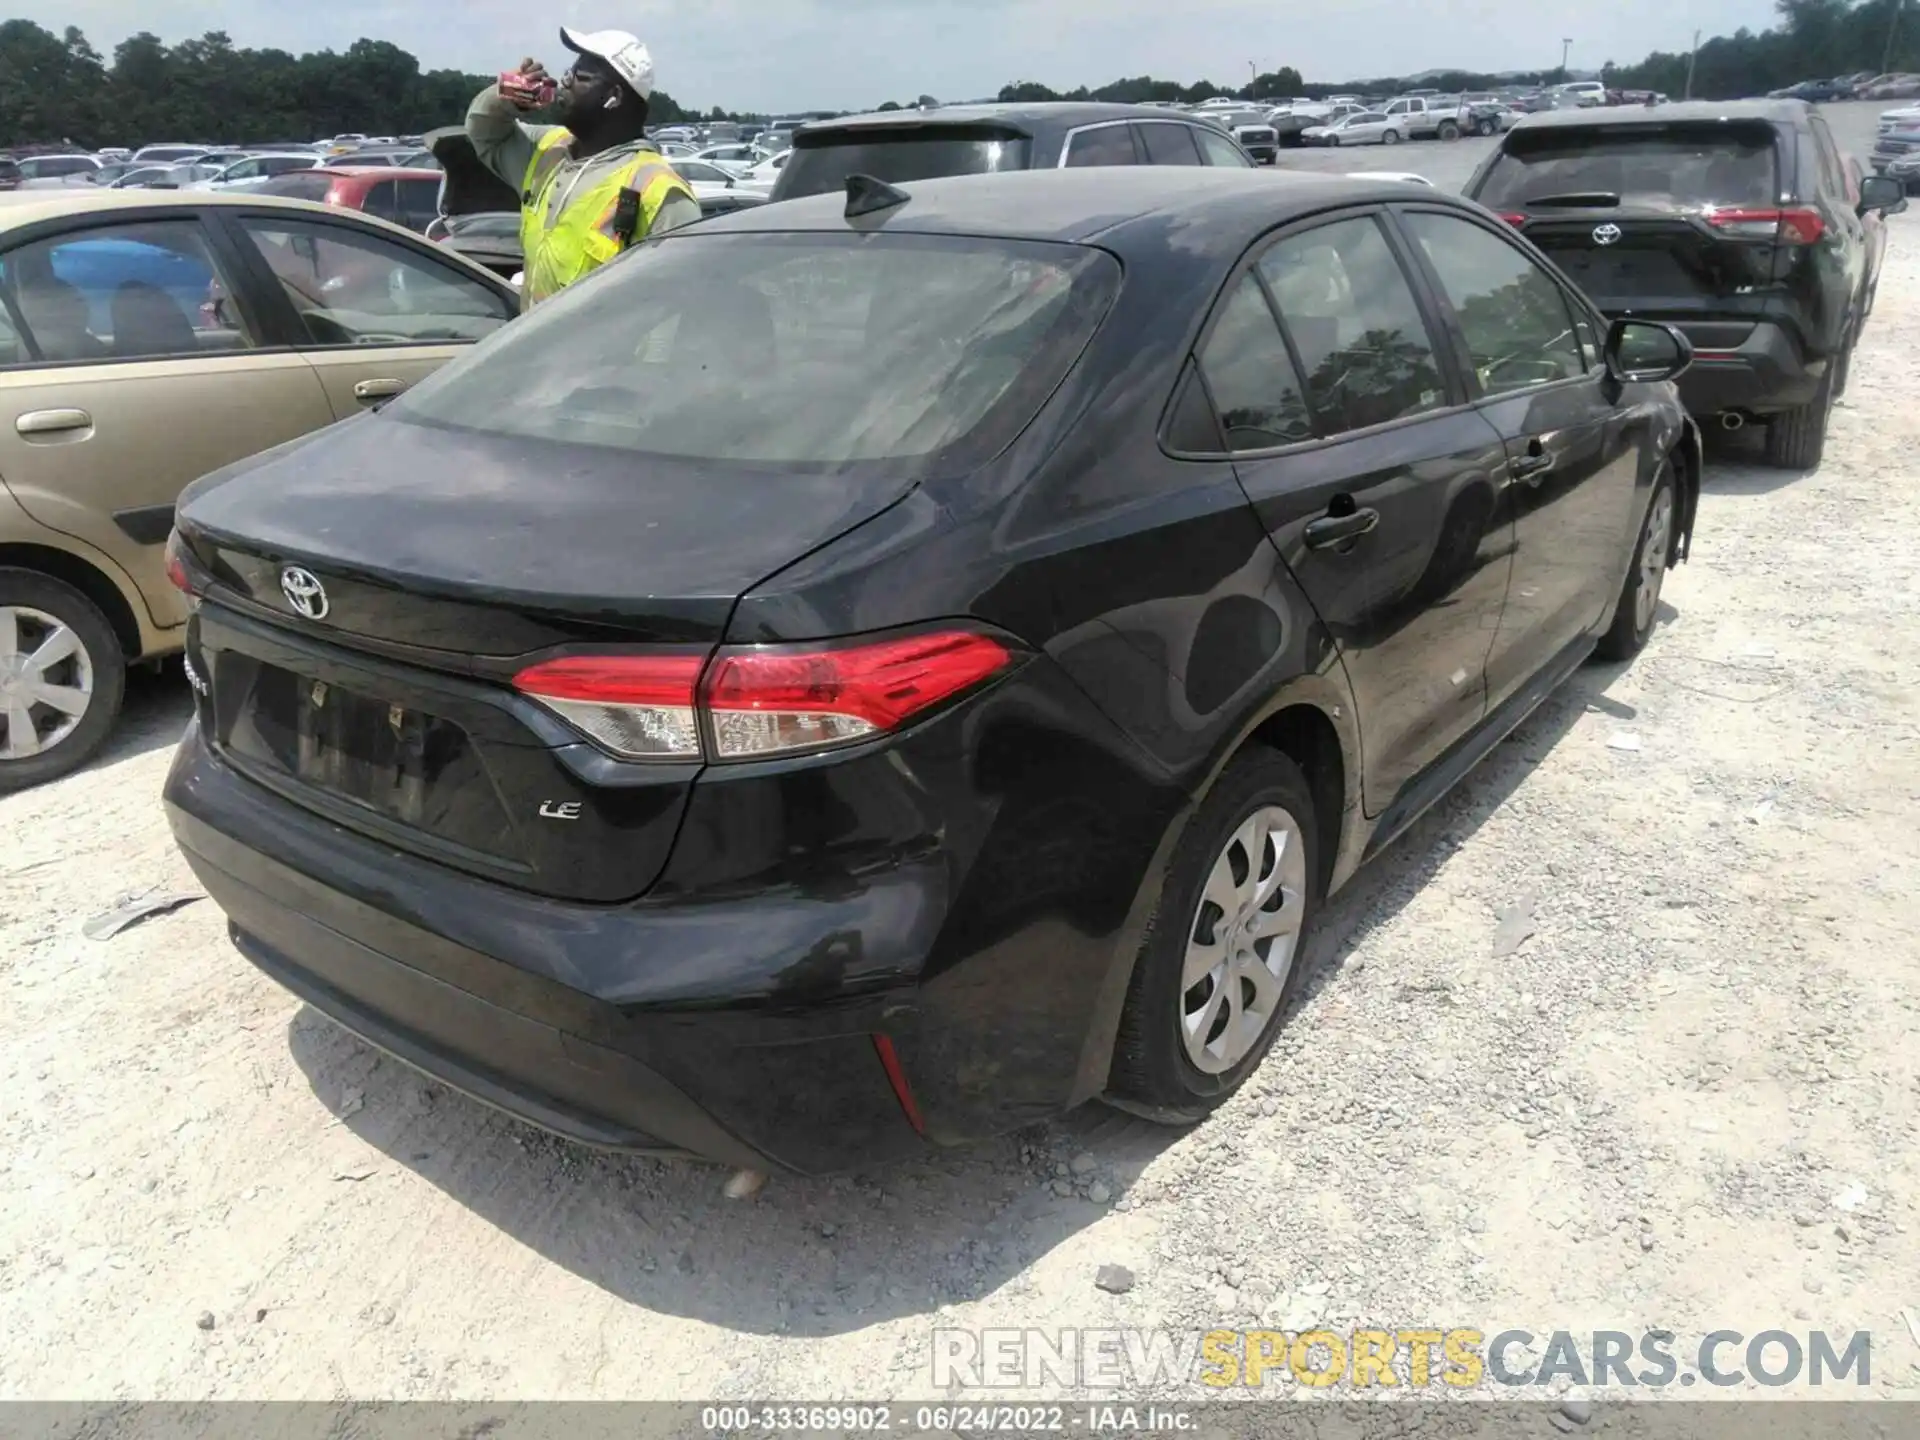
{"x": 1605, "y": 234}
{"x": 304, "y": 592}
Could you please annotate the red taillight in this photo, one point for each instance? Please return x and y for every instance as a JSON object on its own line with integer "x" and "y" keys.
{"x": 1788, "y": 227}
{"x": 177, "y": 565}
{"x": 761, "y": 700}
{"x": 1513, "y": 217}
{"x": 637, "y": 706}
{"x": 765, "y": 701}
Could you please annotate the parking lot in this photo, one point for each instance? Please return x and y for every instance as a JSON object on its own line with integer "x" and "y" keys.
{"x": 1619, "y": 1037}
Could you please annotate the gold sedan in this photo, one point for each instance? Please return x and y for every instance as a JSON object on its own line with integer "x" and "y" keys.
{"x": 146, "y": 339}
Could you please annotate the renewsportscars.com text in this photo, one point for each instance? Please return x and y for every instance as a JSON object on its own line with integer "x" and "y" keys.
{"x": 1416, "y": 1358}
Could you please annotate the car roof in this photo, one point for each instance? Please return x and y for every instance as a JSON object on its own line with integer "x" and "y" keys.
{"x": 1213, "y": 207}
{"x": 1031, "y": 117}
{"x": 30, "y": 207}
{"x": 1777, "y": 112}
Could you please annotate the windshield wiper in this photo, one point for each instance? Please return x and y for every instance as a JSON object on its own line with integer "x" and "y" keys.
{"x": 1577, "y": 199}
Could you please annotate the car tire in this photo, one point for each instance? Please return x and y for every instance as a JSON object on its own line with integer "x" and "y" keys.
{"x": 1484, "y": 128}
{"x": 1389, "y": 137}
{"x": 1333, "y": 141}
{"x": 1639, "y": 607}
{"x": 1177, "y": 1056}
{"x": 36, "y": 609}
{"x": 1796, "y": 439}
{"x": 1449, "y": 130}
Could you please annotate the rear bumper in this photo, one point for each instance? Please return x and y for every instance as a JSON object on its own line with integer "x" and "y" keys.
{"x": 1764, "y": 374}
{"x": 541, "y": 1008}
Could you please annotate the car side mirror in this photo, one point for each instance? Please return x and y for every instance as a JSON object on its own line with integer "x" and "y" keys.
{"x": 1882, "y": 193}
{"x": 1644, "y": 352}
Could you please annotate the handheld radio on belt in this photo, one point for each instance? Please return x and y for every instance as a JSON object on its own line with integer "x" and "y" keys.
{"x": 626, "y": 217}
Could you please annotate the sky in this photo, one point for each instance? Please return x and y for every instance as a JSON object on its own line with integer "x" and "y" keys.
{"x": 782, "y": 55}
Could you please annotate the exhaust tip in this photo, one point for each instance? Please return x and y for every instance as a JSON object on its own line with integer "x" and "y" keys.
{"x": 1731, "y": 420}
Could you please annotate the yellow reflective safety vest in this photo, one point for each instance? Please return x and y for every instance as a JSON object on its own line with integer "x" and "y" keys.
{"x": 567, "y": 230}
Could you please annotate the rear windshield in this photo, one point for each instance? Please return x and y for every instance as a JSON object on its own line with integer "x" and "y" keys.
{"x": 1691, "y": 166}
{"x": 300, "y": 185}
{"x": 822, "y": 163}
{"x": 790, "y": 350}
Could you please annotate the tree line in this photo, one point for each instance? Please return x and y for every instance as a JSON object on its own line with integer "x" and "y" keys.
{"x": 58, "y": 88}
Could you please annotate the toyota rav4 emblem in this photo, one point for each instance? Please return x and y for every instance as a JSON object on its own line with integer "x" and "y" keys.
{"x": 304, "y": 592}
{"x": 1606, "y": 234}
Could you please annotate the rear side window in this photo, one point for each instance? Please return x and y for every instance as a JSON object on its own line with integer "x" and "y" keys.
{"x": 1692, "y": 165}
{"x": 1219, "y": 150}
{"x": 1102, "y": 145}
{"x": 1255, "y": 388}
{"x": 796, "y": 350}
{"x": 822, "y": 163}
{"x": 144, "y": 291}
{"x": 1168, "y": 144}
{"x": 1348, "y": 307}
{"x": 383, "y": 201}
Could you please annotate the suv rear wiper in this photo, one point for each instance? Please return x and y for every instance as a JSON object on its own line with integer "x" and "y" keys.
{"x": 1581, "y": 199}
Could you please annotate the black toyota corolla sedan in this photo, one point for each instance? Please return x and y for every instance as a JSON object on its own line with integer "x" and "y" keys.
{"x": 872, "y": 671}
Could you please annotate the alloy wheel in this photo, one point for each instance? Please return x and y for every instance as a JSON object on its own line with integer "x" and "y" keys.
{"x": 1245, "y": 935}
{"x": 46, "y": 682}
{"x": 1654, "y": 544}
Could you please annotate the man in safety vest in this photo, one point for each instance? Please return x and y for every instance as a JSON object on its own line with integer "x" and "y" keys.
{"x": 592, "y": 185}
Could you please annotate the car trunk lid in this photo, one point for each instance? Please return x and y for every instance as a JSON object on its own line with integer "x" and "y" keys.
{"x": 385, "y": 701}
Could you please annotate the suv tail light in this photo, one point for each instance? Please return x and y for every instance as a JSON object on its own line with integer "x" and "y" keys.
{"x": 1787, "y": 227}
{"x": 761, "y": 700}
{"x": 1513, "y": 217}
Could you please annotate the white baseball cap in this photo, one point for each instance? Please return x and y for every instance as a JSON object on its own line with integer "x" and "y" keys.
{"x": 624, "y": 52}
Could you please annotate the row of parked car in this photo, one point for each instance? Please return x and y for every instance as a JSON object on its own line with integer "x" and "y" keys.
{"x": 1861, "y": 85}
{"x": 1896, "y": 148}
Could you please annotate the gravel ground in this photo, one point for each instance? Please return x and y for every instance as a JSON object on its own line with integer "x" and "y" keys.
{"x": 1617, "y": 1038}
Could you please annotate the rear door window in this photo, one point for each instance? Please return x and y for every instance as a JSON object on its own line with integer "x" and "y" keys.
{"x": 1219, "y": 150}
{"x": 1687, "y": 165}
{"x": 1350, "y": 311}
{"x": 1102, "y": 145}
{"x": 1165, "y": 144}
{"x": 143, "y": 291}
{"x": 1256, "y": 389}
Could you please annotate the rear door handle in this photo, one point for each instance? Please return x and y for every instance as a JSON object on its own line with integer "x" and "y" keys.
{"x": 1531, "y": 467}
{"x": 1331, "y": 530}
{"x": 52, "y": 422}
{"x": 370, "y": 390}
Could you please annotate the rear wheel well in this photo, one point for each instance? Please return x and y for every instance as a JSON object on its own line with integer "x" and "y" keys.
{"x": 1305, "y": 735}
{"x": 85, "y": 578}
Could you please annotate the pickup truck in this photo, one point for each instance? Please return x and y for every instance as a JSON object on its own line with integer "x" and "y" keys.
{"x": 1421, "y": 117}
